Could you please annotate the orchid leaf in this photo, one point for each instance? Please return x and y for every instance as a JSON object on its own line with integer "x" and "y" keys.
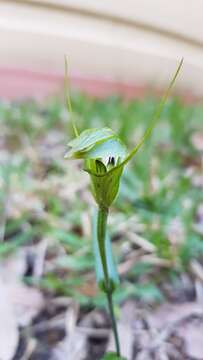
{"x": 113, "y": 356}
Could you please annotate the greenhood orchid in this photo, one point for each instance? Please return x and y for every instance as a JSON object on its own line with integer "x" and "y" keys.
{"x": 105, "y": 156}
{"x": 103, "y": 153}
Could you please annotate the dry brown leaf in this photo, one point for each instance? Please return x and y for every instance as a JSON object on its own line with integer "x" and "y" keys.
{"x": 197, "y": 269}
{"x": 89, "y": 288}
{"x": 199, "y": 291}
{"x": 74, "y": 345}
{"x": 197, "y": 140}
{"x": 13, "y": 267}
{"x": 197, "y": 180}
{"x": 192, "y": 334}
{"x": 71, "y": 348}
{"x": 173, "y": 312}
{"x": 198, "y": 226}
{"x": 175, "y": 231}
{"x": 9, "y": 335}
{"x": 27, "y": 302}
{"x": 141, "y": 242}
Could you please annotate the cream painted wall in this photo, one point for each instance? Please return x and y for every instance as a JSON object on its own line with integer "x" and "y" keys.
{"x": 131, "y": 41}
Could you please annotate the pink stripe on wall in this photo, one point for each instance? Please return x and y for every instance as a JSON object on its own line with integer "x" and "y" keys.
{"x": 18, "y": 84}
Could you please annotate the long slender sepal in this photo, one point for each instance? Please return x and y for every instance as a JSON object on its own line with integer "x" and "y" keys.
{"x": 68, "y": 99}
{"x": 147, "y": 133}
{"x": 155, "y": 119}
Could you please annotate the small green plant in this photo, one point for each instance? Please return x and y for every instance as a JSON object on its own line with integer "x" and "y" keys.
{"x": 105, "y": 156}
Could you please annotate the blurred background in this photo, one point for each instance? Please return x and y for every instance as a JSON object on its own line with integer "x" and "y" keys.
{"x": 121, "y": 57}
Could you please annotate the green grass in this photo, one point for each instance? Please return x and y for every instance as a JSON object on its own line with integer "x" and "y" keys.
{"x": 44, "y": 197}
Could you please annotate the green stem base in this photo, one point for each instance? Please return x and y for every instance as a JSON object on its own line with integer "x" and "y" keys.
{"x": 114, "y": 324}
{"x": 101, "y": 235}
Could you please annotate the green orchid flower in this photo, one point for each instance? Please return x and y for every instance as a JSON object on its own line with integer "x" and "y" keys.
{"x": 105, "y": 156}
{"x": 102, "y": 151}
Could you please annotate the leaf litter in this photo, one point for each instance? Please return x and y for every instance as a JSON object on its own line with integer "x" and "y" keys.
{"x": 46, "y": 262}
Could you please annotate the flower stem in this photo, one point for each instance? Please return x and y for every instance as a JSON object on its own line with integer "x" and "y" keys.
{"x": 113, "y": 321}
{"x": 101, "y": 235}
